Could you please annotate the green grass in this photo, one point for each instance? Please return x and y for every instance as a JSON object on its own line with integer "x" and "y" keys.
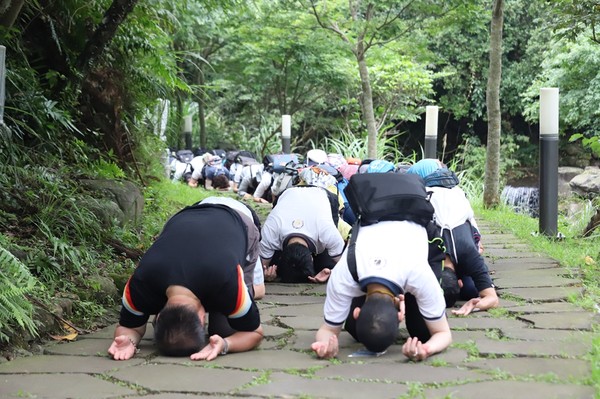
{"x": 580, "y": 256}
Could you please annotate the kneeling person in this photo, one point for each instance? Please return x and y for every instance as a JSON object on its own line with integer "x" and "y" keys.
{"x": 202, "y": 262}
{"x": 395, "y": 283}
{"x": 300, "y": 238}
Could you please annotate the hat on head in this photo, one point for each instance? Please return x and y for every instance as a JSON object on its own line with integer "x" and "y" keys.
{"x": 316, "y": 157}
{"x": 380, "y": 166}
{"x": 425, "y": 167}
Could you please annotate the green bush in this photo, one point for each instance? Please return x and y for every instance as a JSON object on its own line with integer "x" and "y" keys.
{"x": 15, "y": 310}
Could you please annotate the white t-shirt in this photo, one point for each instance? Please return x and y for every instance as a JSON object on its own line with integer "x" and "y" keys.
{"x": 247, "y": 171}
{"x": 452, "y": 207}
{"x": 302, "y": 211}
{"x": 246, "y": 175}
{"x": 264, "y": 185}
{"x": 392, "y": 253}
{"x": 259, "y": 276}
{"x": 197, "y": 164}
{"x": 179, "y": 169}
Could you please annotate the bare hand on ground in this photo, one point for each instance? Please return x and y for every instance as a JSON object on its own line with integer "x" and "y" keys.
{"x": 326, "y": 350}
{"x": 122, "y": 348}
{"x": 320, "y": 277}
{"x": 210, "y": 351}
{"x": 270, "y": 273}
{"x": 415, "y": 350}
{"x": 467, "y": 308}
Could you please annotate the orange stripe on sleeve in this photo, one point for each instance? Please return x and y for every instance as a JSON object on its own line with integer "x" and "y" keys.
{"x": 127, "y": 302}
{"x": 243, "y": 301}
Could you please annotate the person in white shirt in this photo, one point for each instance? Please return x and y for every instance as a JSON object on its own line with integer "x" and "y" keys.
{"x": 395, "y": 283}
{"x": 455, "y": 219}
{"x": 300, "y": 240}
{"x": 185, "y": 171}
{"x": 247, "y": 179}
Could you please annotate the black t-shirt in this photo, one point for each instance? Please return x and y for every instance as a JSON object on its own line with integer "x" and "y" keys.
{"x": 202, "y": 248}
{"x": 466, "y": 257}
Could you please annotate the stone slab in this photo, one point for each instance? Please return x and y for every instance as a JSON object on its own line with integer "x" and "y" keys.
{"x": 507, "y": 281}
{"x": 301, "y": 310}
{"x": 555, "y": 294}
{"x": 95, "y": 347}
{"x": 286, "y": 289}
{"x": 59, "y": 386}
{"x": 565, "y": 336}
{"x": 195, "y": 377}
{"x": 289, "y": 300}
{"x": 522, "y": 263}
{"x": 301, "y": 340}
{"x": 275, "y": 331}
{"x": 509, "y": 253}
{"x": 403, "y": 371}
{"x": 490, "y": 347}
{"x": 302, "y": 322}
{"x": 477, "y": 322}
{"x": 65, "y": 364}
{"x": 535, "y": 367}
{"x": 575, "y": 321}
{"x": 289, "y": 386}
{"x": 546, "y": 307}
{"x": 257, "y": 360}
{"x": 511, "y": 389}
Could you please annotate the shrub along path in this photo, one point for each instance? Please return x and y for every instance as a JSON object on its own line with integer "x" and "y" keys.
{"x": 535, "y": 346}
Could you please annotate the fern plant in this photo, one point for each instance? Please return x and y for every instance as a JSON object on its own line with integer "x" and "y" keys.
{"x": 15, "y": 310}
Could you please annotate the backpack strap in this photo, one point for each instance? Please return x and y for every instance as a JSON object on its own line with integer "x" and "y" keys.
{"x": 351, "y": 256}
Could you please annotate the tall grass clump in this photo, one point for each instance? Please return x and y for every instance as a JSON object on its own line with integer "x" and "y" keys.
{"x": 350, "y": 144}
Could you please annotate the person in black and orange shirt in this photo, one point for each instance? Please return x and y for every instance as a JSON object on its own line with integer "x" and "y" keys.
{"x": 202, "y": 262}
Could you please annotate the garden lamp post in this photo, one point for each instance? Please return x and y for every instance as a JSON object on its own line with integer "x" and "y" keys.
{"x": 431, "y": 131}
{"x": 286, "y": 133}
{"x": 549, "y": 161}
{"x": 187, "y": 131}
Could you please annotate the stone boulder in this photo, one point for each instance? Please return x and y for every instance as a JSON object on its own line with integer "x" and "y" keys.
{"x": 565, "y": 175}
{"x": 587, "y": 184}
{"x": 124, "y": 193}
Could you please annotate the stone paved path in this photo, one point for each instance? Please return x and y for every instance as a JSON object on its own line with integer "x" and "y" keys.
{"x": 534, "y": 347}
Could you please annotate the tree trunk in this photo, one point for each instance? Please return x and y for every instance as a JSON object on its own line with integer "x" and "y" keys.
{"x": 367, "y": 106}
{"x": 491, "y": 196}
{"x": 201, "y": 108}
{"x": 105, "y": 32}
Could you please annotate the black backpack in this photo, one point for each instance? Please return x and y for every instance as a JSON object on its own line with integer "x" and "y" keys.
{"x": 376, "y": 197}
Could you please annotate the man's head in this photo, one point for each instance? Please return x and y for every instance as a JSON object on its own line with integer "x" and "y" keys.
{"x": 295, "y": 264}
{"x": 450, "y": 286}
{"x": 377, "y": 323}
{"x": 220, "y": 182}
{"x": 178, "y": 331}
